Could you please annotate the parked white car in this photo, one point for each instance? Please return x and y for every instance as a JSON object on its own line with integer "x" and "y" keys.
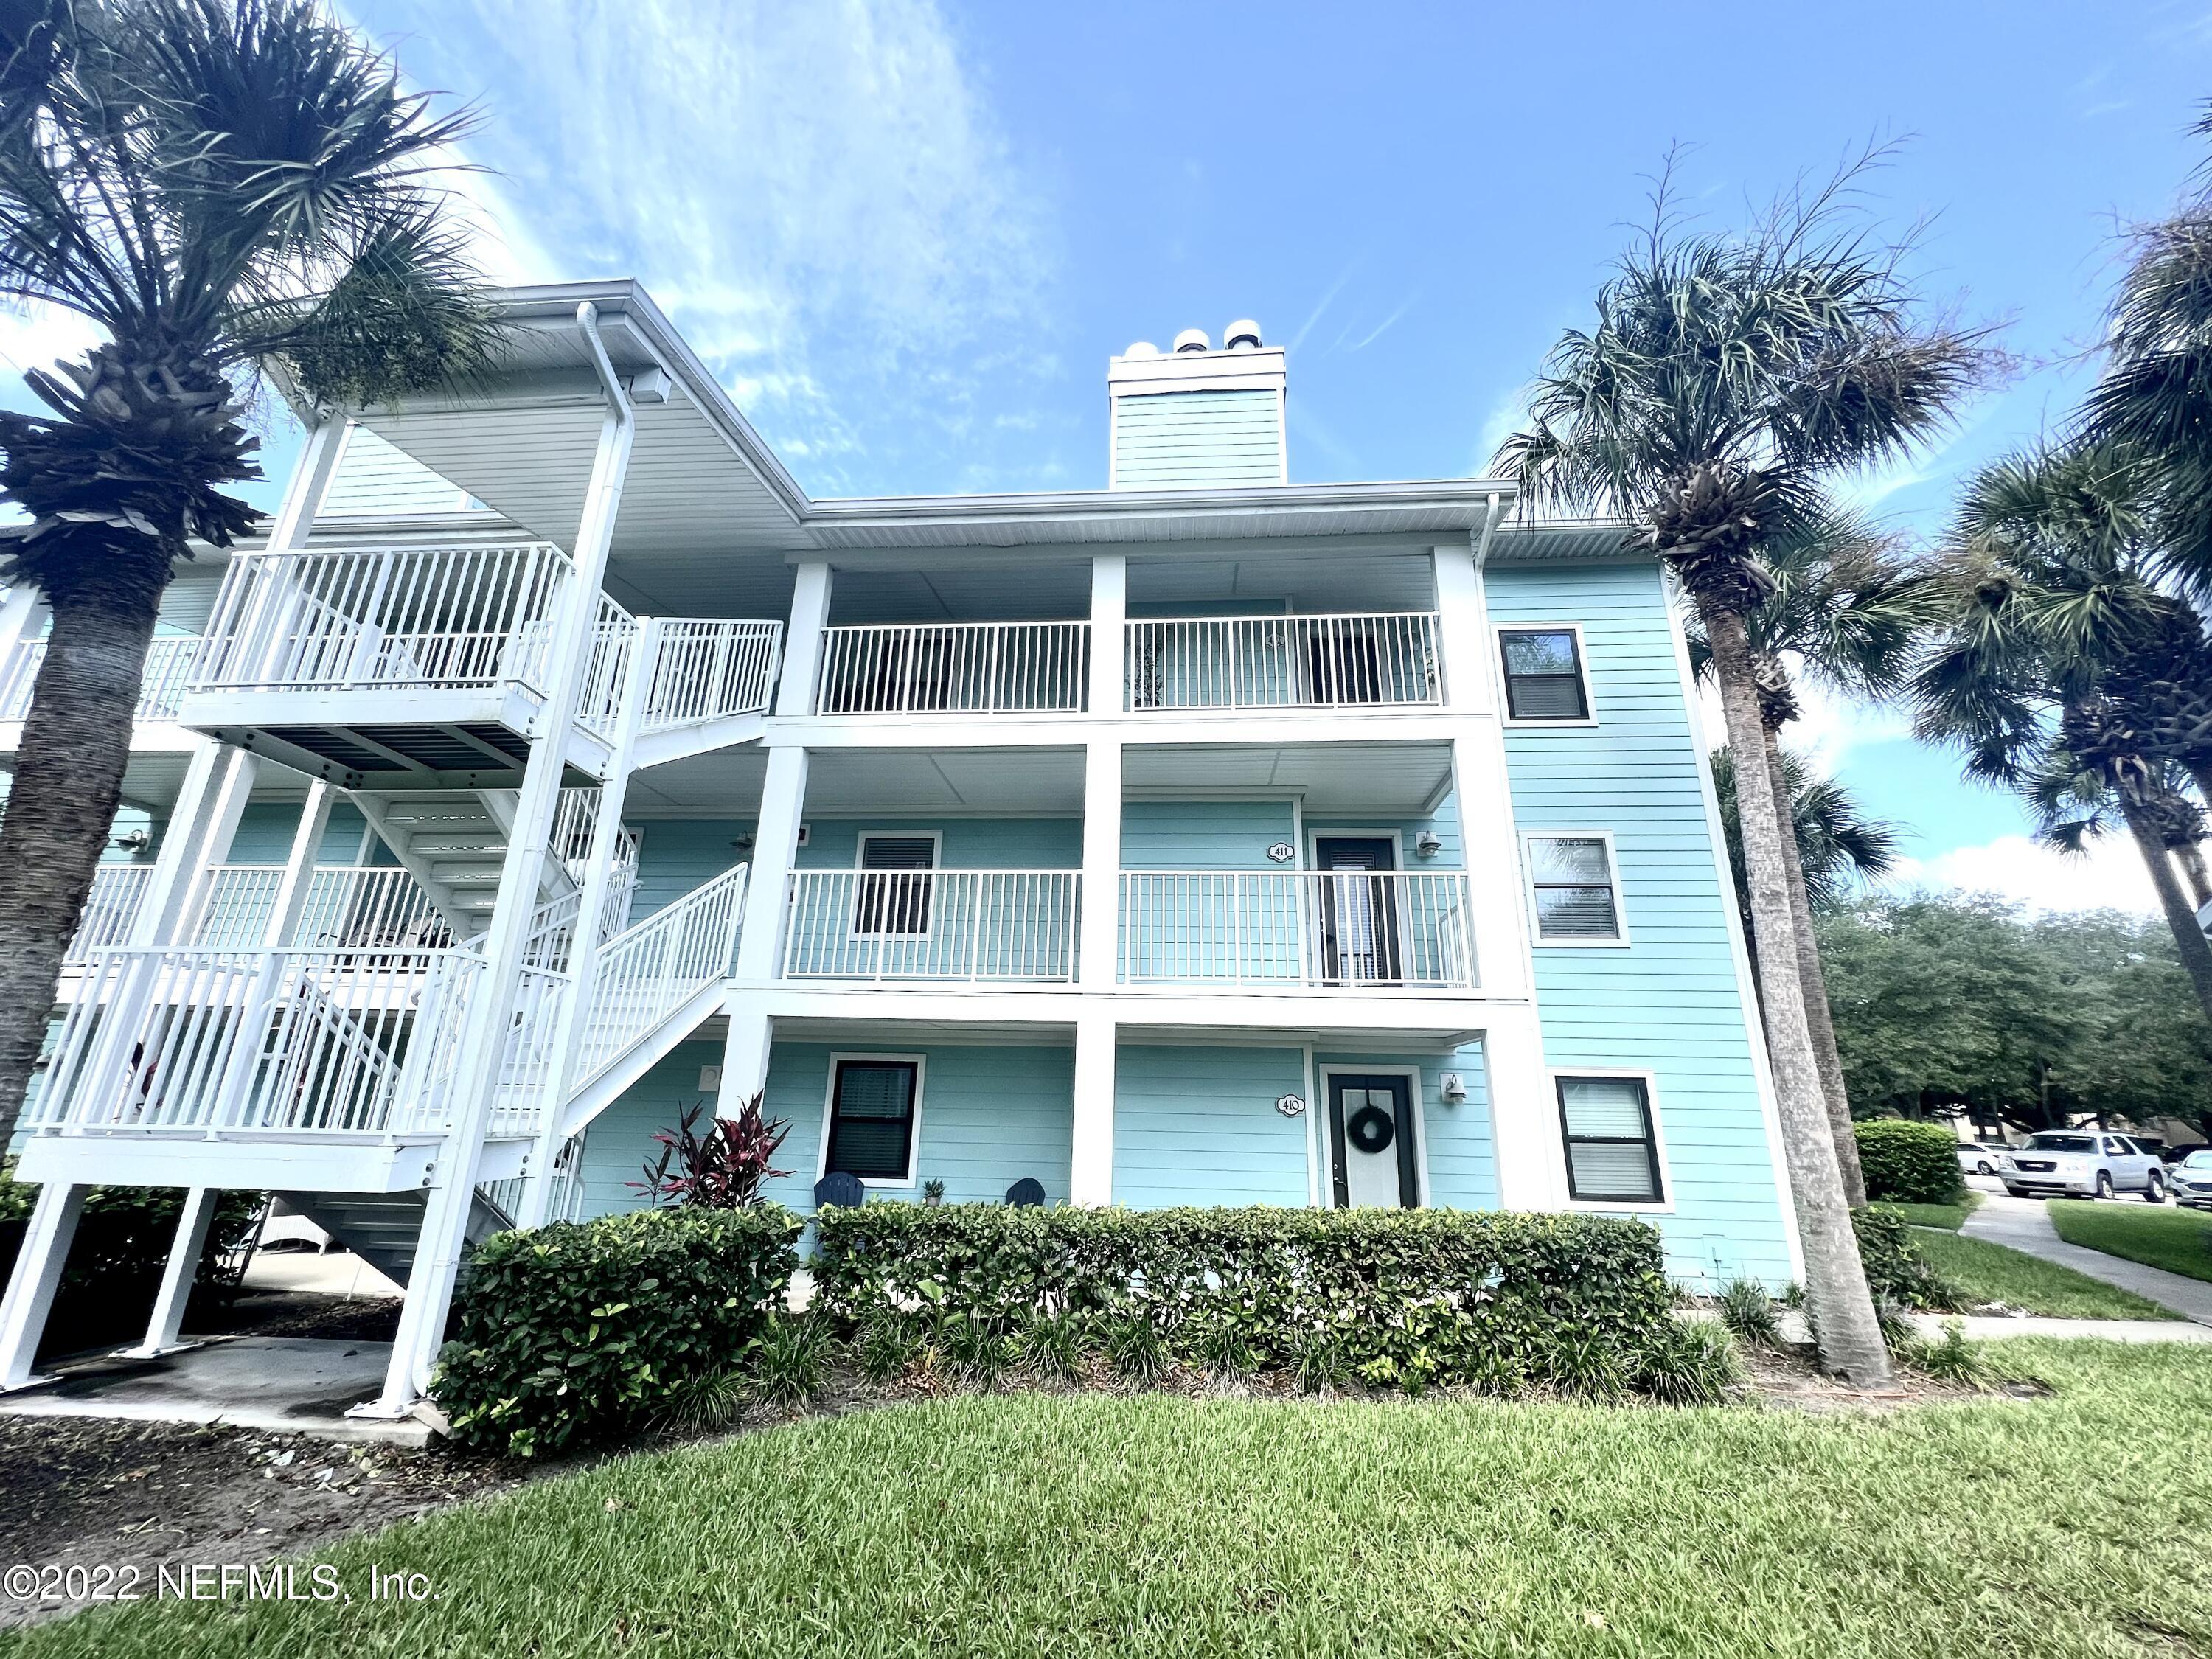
{"x": 2082, "y": 1164}
{"x": 1981, "y": 1156}
{"x": 2193, "y": 1180}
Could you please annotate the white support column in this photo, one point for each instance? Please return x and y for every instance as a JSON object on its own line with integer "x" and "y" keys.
{"x": 802, "y": 642}
{"x": 300, "y": 865}
{"x": 775, "y": 843}
{"x": 218, "y": 781}
{"x": 165, "y": 1329}
{"x": 1099, "y": 967}
{"x": 485, "y": 1028}
{"x": 745, "y": 1058}
{"x": 1524, "y": 1116}
{"x": 311, "y": 480}
{"x": 1109, "y": 614}
{"x": 31, "y": 1287}
{"x": 1463, "y": 632}
{"x": 1090, "y": 1162}
{"x": 591, "y": 903}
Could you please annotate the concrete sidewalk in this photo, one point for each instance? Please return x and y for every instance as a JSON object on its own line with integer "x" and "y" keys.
{"x": 2023, "y": 1224}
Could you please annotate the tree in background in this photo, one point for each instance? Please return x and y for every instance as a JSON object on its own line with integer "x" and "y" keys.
{"x": 2067, "y": 673}
{"x": 1955, "y": 1005}
{"x": 1726, "y": 381}
{"x": 1837, "y": 846}
{"x": 1847, "y": 612}
{"x": 224, "y": 187}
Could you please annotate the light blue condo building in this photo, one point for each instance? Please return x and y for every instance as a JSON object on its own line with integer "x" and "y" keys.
{"x": 553, "y": 763}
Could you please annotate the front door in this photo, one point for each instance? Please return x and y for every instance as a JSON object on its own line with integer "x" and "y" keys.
{"x": 1371, "y": 1134}
{"x": 1358, "y": 912}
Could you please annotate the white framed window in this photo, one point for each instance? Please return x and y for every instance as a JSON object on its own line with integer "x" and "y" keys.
{"x": 1609, "y": 1128}
{"x": 871, "y": 1118}
{"x": 894, "y": 895}
{"x": 1543, "y": 669}
{"x": 1574, "y": 887}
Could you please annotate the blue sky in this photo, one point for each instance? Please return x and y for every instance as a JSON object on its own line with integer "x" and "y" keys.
{"x": 908, "y": 235}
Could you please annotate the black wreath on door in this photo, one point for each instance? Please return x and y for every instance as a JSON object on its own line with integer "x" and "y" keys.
{"x": 1370, "y": 1129}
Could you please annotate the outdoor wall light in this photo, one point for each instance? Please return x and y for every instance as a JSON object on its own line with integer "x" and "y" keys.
{"x": 1453, "y": 1086}
{"x": 1427, "y": 845}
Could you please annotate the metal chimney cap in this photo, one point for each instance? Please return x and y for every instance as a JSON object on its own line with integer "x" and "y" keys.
{"x": 1141, "y": 348}
{"x": 1191, "y": 339}
{"x": 1243, "y": 335}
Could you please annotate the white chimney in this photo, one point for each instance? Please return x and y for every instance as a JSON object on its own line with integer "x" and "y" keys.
{"x": 1194, "y": 418}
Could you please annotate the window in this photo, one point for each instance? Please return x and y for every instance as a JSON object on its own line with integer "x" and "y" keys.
{"x": 1612, "y": 1154}
{"x": 895, "y": 903}
{"x": 1543, "y": 675}
{"x": 1573, "y": 880}
{"x": 872, "y": 1117}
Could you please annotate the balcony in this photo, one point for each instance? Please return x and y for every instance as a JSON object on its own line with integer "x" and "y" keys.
{"x": 424, "y": 666}
{"x": 954, "y": 668}
{"x": 966, "y": 927}
{"x": 1308, "y": 929}
{"x": 168, "y": 667}
{"x": 1379, "y": 660}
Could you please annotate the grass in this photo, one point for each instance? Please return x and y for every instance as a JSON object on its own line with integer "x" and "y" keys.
{"x": 1994, "y": 1272}
{"x": 2156, "y": 1235}
{"x": 1019, "y": 1525}
{"x": 1949, "y": 1216}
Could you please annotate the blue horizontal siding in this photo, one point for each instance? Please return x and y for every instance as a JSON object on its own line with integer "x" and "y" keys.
{"x": 1461, "y": 1149}
{"x": 264, "y": 834}
{"x": 620, "y": 1139}
{"x": 1198, "y": 440}
{"x": 1199, "y": 1126}
{"x": 1670, "y": 1001}
{"x": 1214, "y": 834}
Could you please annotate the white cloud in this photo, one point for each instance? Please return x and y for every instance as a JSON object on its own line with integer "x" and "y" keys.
{"x": 1504, "y": 419}
{"x": 2109, "y": 877}
{"x": 36, "y": 336}
{"x": 819, "y": 194}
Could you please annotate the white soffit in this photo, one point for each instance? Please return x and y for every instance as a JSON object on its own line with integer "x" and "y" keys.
{"x": 1380, "y": 780}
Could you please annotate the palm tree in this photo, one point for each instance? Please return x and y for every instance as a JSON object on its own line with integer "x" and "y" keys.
{"x": 2068, "y": 674}
{"x": 1726, "y": 380}
{"x": 1847, "y": 613}
{"x": 224, "y": 188}
{"x": 1836, "y": 844}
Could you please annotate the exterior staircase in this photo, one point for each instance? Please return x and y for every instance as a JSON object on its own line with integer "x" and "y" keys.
{"x": 454, "y": 844}
{"x": 382, "y": 1228}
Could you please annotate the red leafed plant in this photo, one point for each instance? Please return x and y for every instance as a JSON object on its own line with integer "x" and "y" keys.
{"x": 719, "y": 1169}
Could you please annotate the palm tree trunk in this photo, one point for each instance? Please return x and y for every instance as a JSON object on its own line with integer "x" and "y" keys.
{"x": 61, "y": 805}
{"x": 1836, "y": 1293}
{"x": 2180, "y": 914}
{"x": 1819, "y": 1023}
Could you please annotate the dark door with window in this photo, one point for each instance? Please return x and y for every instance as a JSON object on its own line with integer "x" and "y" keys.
{"x": 1358, "y": 898}
{"x": 1371, "y": 1136}
{"x": 894, "y": 897}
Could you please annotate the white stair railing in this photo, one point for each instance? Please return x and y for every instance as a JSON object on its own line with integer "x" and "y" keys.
{"x": 365, "y": 906}
{"x": 614, "y": 637}
{"x": 649, "y": 971}
{"x": 706, "y": 670}
{"x": 953, "y": 668}
{"x": 168, "y": 667}
{"x": 118, "y": 890}
{"x": 1352, "y": 660}
{"x": 1004, "y": 926}
{"x": 1322, "y": 929}
{"x": 356, "y": 618}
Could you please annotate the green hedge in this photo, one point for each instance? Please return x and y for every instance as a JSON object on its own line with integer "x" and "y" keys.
{"x": 1414, "y": 1297}
{"x": 573, "y": 1333}
{"x": 1896, "y": 1272}
{"x": 1911, "y": 1163}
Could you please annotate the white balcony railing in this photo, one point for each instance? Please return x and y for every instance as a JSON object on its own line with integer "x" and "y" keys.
{"x": 385, "y": 617}
{"x": 707, "y": 671}
{"x": 1322, "y": 929}
{"x": 357, "y": 907}
{"x": 189, "y": 1038}
{"x": 168, "y": 666}
{"x": 118, "y": 890}
{"x": 1282, "y": 661}
{"x": 965, "y": 668}
{"x": 999, "y": 925}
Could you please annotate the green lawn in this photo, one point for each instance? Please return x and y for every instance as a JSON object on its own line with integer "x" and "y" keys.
{"x": 1993, "y": 1272}
{"x": 1047, "y": 1525}
{"x": 1949, "y": 1216}
{"x": 2157, "y": 1235}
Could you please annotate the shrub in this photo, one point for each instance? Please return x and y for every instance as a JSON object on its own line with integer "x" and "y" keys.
{"x": 1688, "y": 1363}
{"x": 720, "y": 1169}
{"x": 1444, "y": 1297}
{"x": 1896, "y": 1272}
{"x": 1751, "y": 1315}
{"x": 575, "y": 1332}
{"x": 1953, "y": 1359}
{"x": 1911, "y": 1163}
{"x": 784, "y": 1362}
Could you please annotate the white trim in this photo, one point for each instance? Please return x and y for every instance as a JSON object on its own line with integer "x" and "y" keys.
{"x": 1762, "y": 1071}
{"x": 1313, "y": 1119}
{"x": 936, "y": 840}
{"x": 913, "y": 1177}
{"x": 1497, "y": 629}
{"x": 1414, "y": 1076}
{"x": 1339, "y": 832}
{"x": 1612, "y": 875}
{"x": 1665, "y": 1204}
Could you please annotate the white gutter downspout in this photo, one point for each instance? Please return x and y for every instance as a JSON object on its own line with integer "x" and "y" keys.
{"x": 1490, "y": 522}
